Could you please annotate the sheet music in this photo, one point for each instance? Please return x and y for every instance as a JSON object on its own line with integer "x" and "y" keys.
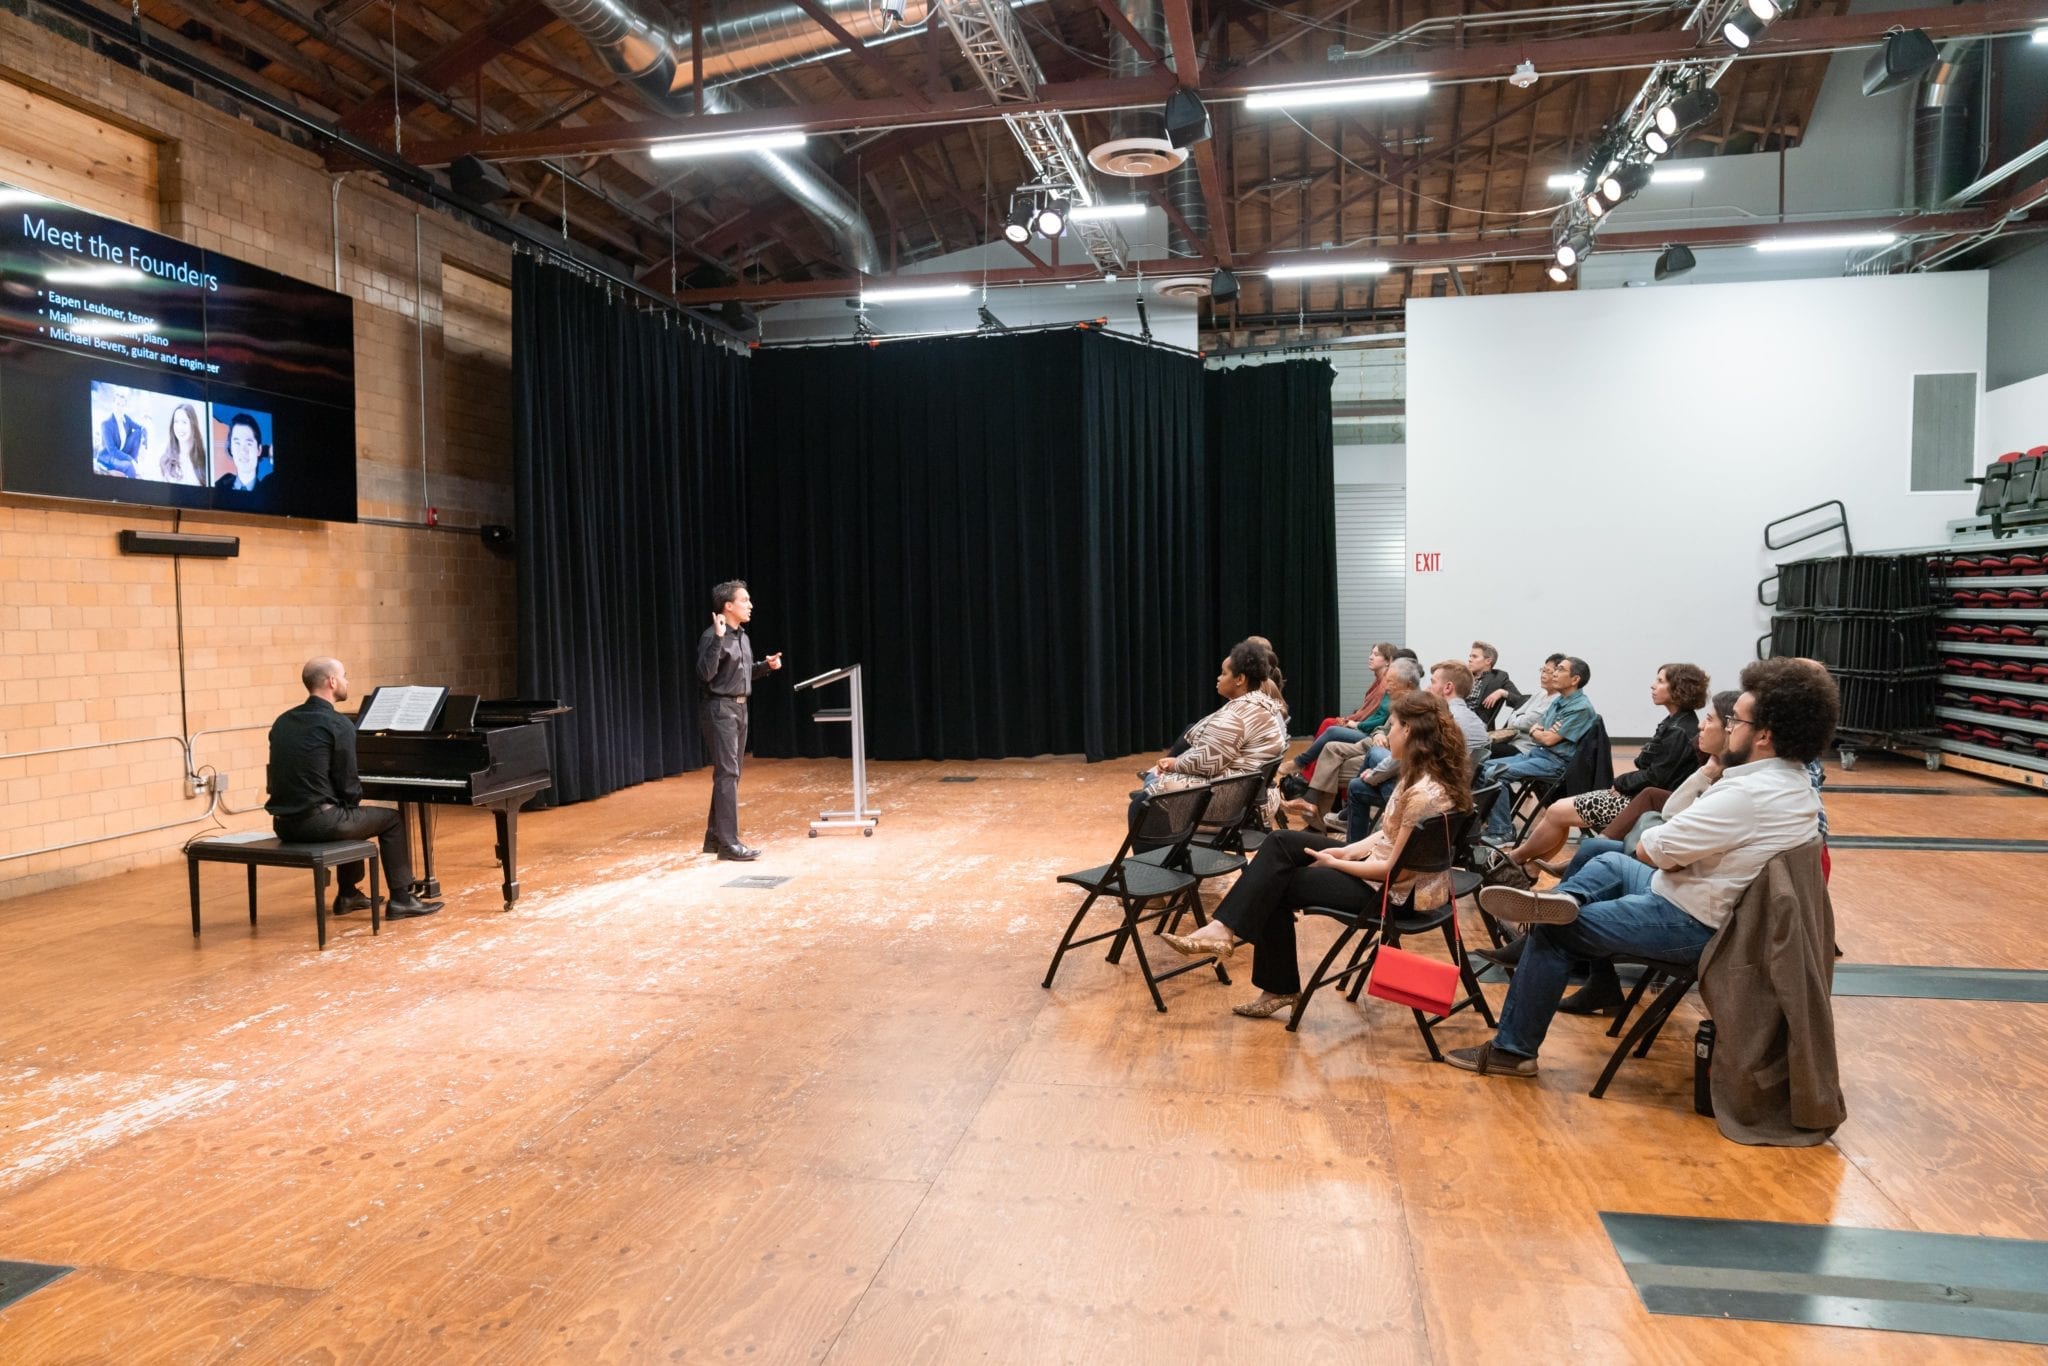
{"x": 410, "y": 708}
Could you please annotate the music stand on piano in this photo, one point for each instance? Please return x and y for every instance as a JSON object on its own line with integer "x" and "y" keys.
{"x": 861, "y": 816}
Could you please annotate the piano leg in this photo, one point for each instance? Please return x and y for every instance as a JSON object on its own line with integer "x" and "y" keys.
{"x": 508, "y": 851}
{"x": 427, "y": 887}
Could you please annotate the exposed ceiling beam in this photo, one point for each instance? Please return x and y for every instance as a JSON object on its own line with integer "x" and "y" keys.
{"x": 874, "y": 61}
{"x": 1128, "y": 31}
{"x": 1527, "y": 244}
{"x": 1187, "y": 65}
{"x": 457, "y": 62}
{"x": 1789, "y": 37}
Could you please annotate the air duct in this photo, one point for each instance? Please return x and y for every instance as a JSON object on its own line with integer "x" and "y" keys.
{"x": 1137, "y": 128}
{"x": 1949, "y": 124}
{"x": 751, "y": 38}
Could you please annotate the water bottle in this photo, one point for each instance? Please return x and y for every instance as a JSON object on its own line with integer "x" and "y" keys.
{"x": 1703, "y": 1069}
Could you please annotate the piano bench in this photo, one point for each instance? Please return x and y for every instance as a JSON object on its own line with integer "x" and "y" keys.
{"x": 275, "y": 853}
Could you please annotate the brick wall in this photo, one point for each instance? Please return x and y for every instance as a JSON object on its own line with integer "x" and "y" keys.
{"x": 89, "y": 637}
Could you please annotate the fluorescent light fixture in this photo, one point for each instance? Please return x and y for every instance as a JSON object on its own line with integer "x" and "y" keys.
{"x": 1321, "y": 270}
{"x": 1838, "y": 242}
{"x": 96, "y": 275}
{"x": 719, "y": 147}
{"x": 10, "y": 199}
{"x": 1573, "y": 181}
{"x": 1367, "y": 339}
{"x": 2041, "y": 37}
{"x": 1095, "y": 212}
{"x": 903, "y": 294}
{"x": 1314, "y": 96}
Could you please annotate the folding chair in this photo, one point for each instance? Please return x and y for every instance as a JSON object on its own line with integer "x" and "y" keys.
{"x": 1678, "y": 979}
{"x": 1146, "y": 889}
{"x": 1430, "y": 849}
{"x": 1217, "y": 848}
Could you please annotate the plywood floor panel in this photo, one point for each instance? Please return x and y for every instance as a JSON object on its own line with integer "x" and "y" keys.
{"x": 650, "y": 1116}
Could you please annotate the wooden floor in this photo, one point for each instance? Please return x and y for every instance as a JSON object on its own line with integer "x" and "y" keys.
{"x": 651, "y": 1117}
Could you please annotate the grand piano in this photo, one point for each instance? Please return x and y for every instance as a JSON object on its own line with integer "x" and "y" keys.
{"x": 497, "y": 758}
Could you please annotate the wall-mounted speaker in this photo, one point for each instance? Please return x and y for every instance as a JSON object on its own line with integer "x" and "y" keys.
{"x": 180, "y": 543}
{"x": 498, "y": 537}
{"x": 478, "y": 181}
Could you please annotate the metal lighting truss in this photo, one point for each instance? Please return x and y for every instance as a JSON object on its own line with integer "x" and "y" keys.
{"x": 992, "y": 38}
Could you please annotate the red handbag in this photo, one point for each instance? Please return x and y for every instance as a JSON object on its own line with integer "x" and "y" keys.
{"x": 1409, "y": 979}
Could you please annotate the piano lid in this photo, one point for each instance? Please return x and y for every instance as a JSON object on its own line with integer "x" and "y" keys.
{"x": 505, "y": 711}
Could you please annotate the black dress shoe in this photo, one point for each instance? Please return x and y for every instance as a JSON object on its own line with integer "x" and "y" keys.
{"x": 404, "y": 908}
{"x": 710, "y": 844}
{"x": 344, "y": 902}
{"x": 1601, "y": 995}
{"x": 739, "y": 853}
{"x": 1508, "y": 955}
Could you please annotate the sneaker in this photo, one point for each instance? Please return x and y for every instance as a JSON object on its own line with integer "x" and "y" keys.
{"x": 1528, "y": 908}
{"x": 1489, "y": 1061}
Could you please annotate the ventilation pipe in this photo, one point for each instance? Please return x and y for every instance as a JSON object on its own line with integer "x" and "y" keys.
{"x": 1183, "y": 184}
{"x": 752, "y": 38}
{"x": 1950, "y": 124}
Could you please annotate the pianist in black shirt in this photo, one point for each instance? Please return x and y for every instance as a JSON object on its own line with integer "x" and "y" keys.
{"x": 315, "y": 795}
{"x": 725, "y": 664}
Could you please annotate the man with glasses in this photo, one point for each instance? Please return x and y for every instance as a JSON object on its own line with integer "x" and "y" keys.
{"x": 1667, "y": 899}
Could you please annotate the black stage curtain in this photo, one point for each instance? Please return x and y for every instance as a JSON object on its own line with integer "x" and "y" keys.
{"x": 629, "y": 468}
{"x": 1272, "y": 484}
{"x": 1005, "y": 532}
{"x": 1024, "y": 540}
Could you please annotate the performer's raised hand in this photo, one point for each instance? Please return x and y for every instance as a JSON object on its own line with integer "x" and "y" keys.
{"x": 718, "y": 622}
{"x": 775, "y": 660}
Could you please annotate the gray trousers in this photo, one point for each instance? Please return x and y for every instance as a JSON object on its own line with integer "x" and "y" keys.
{"x": 725, "y": 741}
{"x": 380, "y": 823}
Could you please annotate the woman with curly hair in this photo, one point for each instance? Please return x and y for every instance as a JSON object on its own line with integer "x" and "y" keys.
{"x": 1294, "y": 868}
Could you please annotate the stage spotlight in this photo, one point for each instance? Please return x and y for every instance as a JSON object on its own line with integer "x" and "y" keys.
{"x": 1594, "y": 206}
{"x": 1222, "y": 286}
{"x": 1906, "y": 55}
{"x": 1624, "y": 181}
{"x": 1574, "y": 247}
{"x": 1017, "y": 227}
{"x": 1770, "y": 11}
{"x": 1675, "y": 261}
{"x": 1687, "y": 112}
{"x": 1052, "y": 218}
{"x": 1656, "y": 141}
{"x": 1187, "y": 118}
{"x": 1741, "y": 29}
{"x": 1559, "y": 274}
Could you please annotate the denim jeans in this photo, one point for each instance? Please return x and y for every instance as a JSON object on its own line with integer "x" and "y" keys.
{"x": 1364, "y": 798}
{"x": 1618, "y": 914}
{"x": 1589, "y": 850}
{"x": 1537, "y": 763}
{"x": 1315, "y": 749}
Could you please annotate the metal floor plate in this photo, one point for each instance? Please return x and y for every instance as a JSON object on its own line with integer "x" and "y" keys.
{"x": 1824, "y": 1275}
{"x": 1941, "y": 984}
{"x": 757, "y": 881}
{"x": 1974, "y": 846}
{"x": 25, "y": 1278}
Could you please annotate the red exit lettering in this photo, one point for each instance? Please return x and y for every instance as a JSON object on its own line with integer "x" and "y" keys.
{"x": 1428, "y": 562}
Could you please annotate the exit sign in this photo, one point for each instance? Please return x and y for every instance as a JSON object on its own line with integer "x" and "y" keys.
{"x": 1429, "y": 561}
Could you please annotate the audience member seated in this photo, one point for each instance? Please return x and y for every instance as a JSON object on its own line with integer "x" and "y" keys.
{"x": 1242, "y": 736}
{"x": 1295, "y": 869}
{"x": 1371, "y": 714}
{"x": 1511, "y": 736}
{"x": 1491, "y": 687}
{"x": 1274, "y": 687}
{"x": 1370, "y": 789}
{"x": 1668, "y": 900}
{"x": 1343, "y": 758}
{"x": 1554, "y": 739}
{"x": 1669, "y": 757}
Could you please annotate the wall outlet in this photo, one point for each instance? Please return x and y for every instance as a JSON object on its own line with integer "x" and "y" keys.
{"x": 197, "y": 782}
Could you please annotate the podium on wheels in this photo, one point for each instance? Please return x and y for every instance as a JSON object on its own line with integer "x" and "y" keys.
{"x": 860, "y": 816}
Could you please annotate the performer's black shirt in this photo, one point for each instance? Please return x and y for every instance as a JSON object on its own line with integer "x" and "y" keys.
{"x": 726, "y": 663}
{"x": 312, "y": 760}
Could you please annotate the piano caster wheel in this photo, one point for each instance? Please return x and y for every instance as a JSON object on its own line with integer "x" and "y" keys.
{"x": 814, "y": 834}
{"x": 869, "y": 832}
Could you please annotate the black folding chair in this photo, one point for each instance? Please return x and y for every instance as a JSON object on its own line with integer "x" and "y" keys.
{"x": 1678, "y": 979}
{"x": 1252, "y": 833}
{"x": 1147, "y": 889}
{"x": 1430, "y": 848}
{"x": 1217, "y": 848}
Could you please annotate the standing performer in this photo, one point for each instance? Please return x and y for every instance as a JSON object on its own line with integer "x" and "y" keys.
{"x": 725, "y": 661}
